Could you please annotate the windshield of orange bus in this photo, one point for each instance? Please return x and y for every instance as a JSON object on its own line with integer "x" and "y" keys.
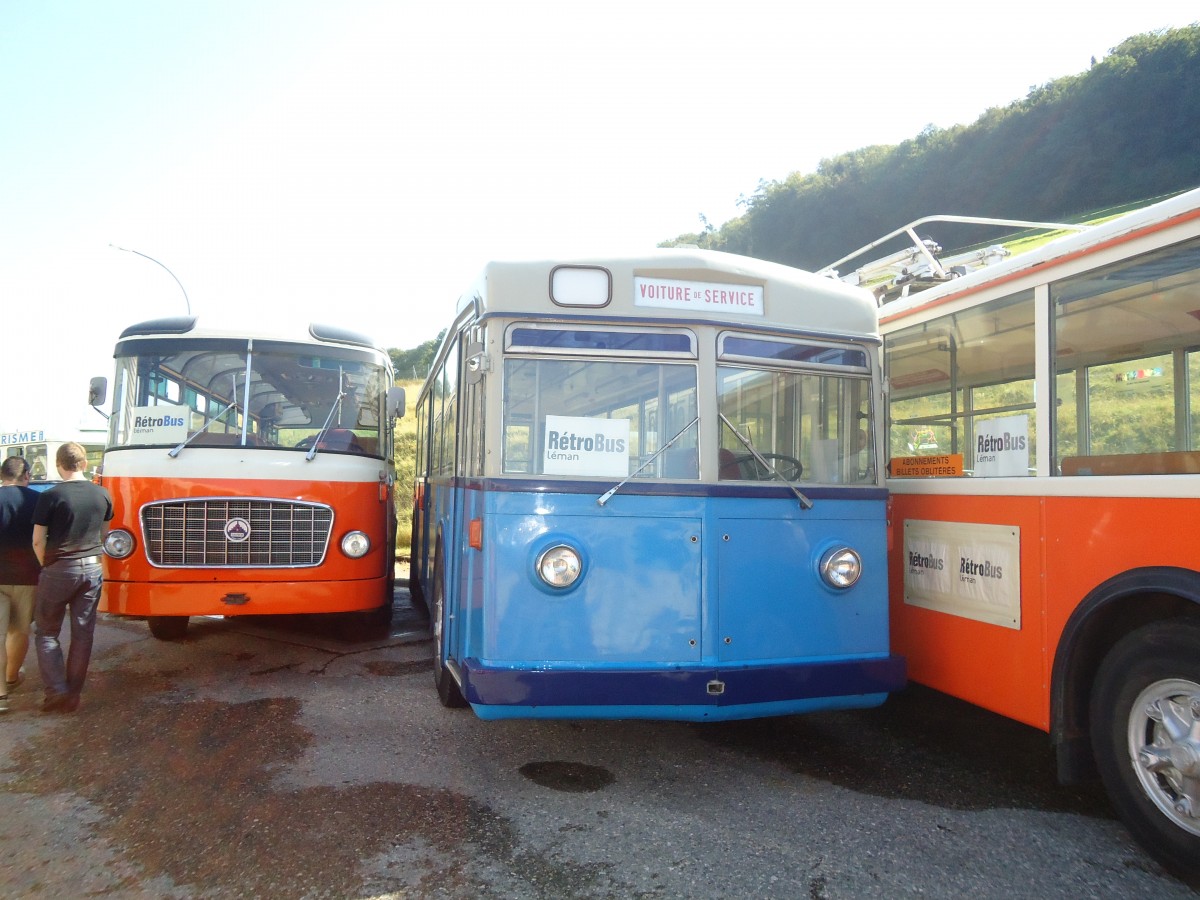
{"x": 222, "y": 393}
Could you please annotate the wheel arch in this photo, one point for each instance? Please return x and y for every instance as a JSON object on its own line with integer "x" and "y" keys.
{"x": 1110, "y": 611}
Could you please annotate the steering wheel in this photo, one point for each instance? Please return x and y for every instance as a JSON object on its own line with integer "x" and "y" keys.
{"x": 788, "y": 467}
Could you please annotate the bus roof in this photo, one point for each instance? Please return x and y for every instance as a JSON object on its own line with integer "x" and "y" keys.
{"x": 187, "y": 327}
{"x": 1168, "y": 213}
{"x": 792, "y": 298}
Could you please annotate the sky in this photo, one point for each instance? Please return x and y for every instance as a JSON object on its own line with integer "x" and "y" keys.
{"x": 357, "y": 162}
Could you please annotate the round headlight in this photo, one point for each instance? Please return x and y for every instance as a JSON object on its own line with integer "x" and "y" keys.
{"x": 841, "y": 567}
{"x": 356, "y": 544}
{"x": 559, "y": 566}
{"x": 118, "y": 543}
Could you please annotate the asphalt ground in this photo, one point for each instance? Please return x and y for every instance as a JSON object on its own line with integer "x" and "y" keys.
{"x": 286, "y": 758}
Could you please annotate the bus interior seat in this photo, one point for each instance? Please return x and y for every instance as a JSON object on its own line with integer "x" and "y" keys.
{"x": 1170, "y": 462}
{"x": 729, "y": 468}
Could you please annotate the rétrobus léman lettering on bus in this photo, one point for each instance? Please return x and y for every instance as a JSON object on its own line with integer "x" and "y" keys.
{"x": 598, "y": 444}
{"x": 157, "y": 421}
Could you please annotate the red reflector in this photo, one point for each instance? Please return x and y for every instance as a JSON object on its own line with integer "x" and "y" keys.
{"x": 475, "y": 534}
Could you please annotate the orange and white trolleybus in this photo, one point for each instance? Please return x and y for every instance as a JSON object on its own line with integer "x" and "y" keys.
{"x": 251, "y": 474}
{"x": 1044, "y": 431}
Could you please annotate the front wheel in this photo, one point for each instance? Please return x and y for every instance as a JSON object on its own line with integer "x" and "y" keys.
{"x": 168, "y": 628}
{"x": 1145, "y": 722}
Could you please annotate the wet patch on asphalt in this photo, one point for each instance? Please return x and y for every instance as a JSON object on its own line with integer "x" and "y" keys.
{"x": 185, "y": 787}
{"x": 920, "y": 745}
{"x": 570, "y": 777}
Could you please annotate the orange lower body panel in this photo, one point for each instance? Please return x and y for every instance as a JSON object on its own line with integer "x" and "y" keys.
{"x": 241, "y": 598}
{"x": 1068, "y": 547}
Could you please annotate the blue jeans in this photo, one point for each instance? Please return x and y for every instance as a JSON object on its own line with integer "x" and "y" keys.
{"x": 63, "y": 585}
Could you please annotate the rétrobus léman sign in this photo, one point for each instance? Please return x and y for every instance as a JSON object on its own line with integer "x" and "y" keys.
{"x": 577, "y": 445}
{"x": 964, "y": 569}
{"x": 164, "y": 423}
{"x": 698, "y": 296}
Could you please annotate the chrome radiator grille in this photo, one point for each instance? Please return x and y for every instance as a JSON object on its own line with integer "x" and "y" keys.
{"x": 222, "y": 532}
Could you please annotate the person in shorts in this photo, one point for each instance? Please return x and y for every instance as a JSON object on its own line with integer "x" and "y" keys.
{"x": 69, "y": 523}
{"x": 18, "y": 570}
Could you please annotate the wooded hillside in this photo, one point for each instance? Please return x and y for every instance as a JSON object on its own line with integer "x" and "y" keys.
{"x": 1126, "y": 130}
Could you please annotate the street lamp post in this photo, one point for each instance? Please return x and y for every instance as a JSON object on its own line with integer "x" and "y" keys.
{"x": 168, "y": 271}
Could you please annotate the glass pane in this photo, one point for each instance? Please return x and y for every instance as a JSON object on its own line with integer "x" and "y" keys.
{"x": 581, "y": 418}
{"x": 803, "y": 426}
{"x": 963, "y": 384}
{"x": 41, "y": 467}
{"x": 641, "y": 342}
{"x": 790, "y": 351}
{"x": 289, "y": 398}
{"x": 1125, "y": 337}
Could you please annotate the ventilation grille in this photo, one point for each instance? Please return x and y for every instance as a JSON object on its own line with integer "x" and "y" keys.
{"x": 236, "y": 532}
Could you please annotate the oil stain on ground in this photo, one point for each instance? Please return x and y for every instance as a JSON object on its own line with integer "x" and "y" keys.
{"x": 569, "y": 777}
{"x": 186, "y": 788}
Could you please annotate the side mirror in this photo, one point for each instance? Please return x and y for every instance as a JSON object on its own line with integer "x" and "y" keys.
{"x": 97, "y": 391}
{"x": 477, "y": 364}
{"x": 395, "y": 402}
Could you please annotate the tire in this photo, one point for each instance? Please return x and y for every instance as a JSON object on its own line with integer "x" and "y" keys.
{"x": 447, "y": 688}
{"x": 1145, "y": 723}
{"x": 168, "y": 628}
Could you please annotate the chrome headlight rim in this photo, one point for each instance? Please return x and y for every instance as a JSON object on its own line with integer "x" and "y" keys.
{"x": 841, "y": 567}
{"x": 559, "y": 567}
{"x": 118, "y": 543}
{"x": 356, "y": 544}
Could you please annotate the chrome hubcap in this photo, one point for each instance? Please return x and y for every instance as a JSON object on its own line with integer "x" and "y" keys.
{"x": 1164, "y": 747}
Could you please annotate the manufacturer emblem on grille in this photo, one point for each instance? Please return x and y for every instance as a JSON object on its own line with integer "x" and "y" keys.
{"x": 237, "y": 530}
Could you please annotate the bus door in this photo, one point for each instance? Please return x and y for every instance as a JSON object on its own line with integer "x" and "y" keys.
{"x": 810, "y": 429}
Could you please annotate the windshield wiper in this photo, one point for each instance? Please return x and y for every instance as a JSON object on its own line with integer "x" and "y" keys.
{"x": 211, "y": 422}
{"x": 805, "y": 503}
{"x": 607, "y": 495}
{"x": 337, "y": 405}
{"x": 232, "y": 405}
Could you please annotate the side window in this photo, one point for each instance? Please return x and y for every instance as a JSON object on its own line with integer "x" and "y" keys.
{"x": 963, "y": 384}
{"x": 422, "y": 413}
{"x": 449, "y": 429}
{"x": 473, "y": 407}
{"x": 1127, "y": 348}
{"x": 437, "y": 421}
{"x": 41, "y": 467}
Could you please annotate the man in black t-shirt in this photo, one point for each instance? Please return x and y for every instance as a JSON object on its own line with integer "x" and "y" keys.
{"x": 68, "y": 532}
{"x": 18, "y": 569}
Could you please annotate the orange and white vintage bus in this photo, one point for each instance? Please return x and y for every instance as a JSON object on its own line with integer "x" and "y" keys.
{"x": 251, "y": 474}
{"x": 1044, "y": 430}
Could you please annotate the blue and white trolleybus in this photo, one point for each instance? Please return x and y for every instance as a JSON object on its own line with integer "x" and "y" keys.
{"x": 648, "y": 487}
